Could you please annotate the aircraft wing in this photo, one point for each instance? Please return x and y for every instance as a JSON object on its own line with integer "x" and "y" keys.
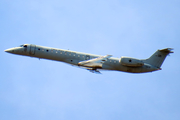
{"x": 95, "y": 63}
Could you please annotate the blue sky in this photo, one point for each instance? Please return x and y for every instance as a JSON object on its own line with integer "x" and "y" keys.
{"x": 42, "y": 89}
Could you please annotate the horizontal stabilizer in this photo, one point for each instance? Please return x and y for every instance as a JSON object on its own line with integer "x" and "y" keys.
{"x": 167, "y": 50}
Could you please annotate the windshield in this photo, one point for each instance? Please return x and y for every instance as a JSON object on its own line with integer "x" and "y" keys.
{"x": 23, "y": 45}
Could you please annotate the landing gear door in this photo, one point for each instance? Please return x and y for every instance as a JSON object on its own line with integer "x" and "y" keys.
{"x": 32, "y": 49}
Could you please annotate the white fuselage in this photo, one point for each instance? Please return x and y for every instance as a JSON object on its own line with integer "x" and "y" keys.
{"x": 73, "y": 58}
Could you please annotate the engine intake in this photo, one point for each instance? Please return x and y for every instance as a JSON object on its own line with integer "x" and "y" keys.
{"x": 131, "y": 62}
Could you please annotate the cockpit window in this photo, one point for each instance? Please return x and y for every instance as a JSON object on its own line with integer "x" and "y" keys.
{"x": 23, "y": 45}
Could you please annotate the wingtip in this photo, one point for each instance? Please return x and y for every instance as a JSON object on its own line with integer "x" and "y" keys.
{"x": 109, "y": 55}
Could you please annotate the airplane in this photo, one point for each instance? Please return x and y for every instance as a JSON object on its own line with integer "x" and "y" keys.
{"x": 94, "y": 63}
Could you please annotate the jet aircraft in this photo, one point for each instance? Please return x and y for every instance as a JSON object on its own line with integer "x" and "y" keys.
{"x": 93, "y": 62}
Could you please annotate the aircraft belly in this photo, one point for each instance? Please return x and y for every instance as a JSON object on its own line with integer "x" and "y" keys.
{"x": 129, "y": 69}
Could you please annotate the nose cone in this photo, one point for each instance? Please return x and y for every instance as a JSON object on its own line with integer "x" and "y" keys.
{"x": 9, "y": 50}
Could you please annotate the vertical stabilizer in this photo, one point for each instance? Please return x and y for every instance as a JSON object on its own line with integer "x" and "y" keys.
{"x": 158, "y": 57}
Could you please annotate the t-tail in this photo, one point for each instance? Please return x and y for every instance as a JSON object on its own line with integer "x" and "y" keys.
{"x": 158, "y": 57}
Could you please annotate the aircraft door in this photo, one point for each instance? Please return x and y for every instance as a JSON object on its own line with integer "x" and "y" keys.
{"x": 32, "y": 49}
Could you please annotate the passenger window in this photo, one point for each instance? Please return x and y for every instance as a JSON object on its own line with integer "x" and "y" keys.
{"x": 38, "y": 48}
{"x": 47, "y": 50}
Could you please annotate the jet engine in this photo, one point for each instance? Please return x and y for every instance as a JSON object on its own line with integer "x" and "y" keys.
{"x": 131, "y": 62}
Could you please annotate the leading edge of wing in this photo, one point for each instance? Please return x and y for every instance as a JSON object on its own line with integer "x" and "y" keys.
{"x": 101, "y": 60}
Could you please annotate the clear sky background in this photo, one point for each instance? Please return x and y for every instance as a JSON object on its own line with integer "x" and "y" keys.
{"x": 32, "y": 89}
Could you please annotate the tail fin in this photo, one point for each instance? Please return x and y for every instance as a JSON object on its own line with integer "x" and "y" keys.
{"x": 158, "y": 57}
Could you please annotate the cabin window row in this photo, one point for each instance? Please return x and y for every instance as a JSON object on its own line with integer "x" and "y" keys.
{"x": 61, "y": 52}
{"x": 68, "y": 53}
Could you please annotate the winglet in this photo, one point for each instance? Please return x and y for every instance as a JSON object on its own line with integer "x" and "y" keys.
{"x": 109, "y": 56}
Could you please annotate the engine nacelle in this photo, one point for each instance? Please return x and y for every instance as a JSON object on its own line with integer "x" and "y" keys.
{"x": 131, "y": 62}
